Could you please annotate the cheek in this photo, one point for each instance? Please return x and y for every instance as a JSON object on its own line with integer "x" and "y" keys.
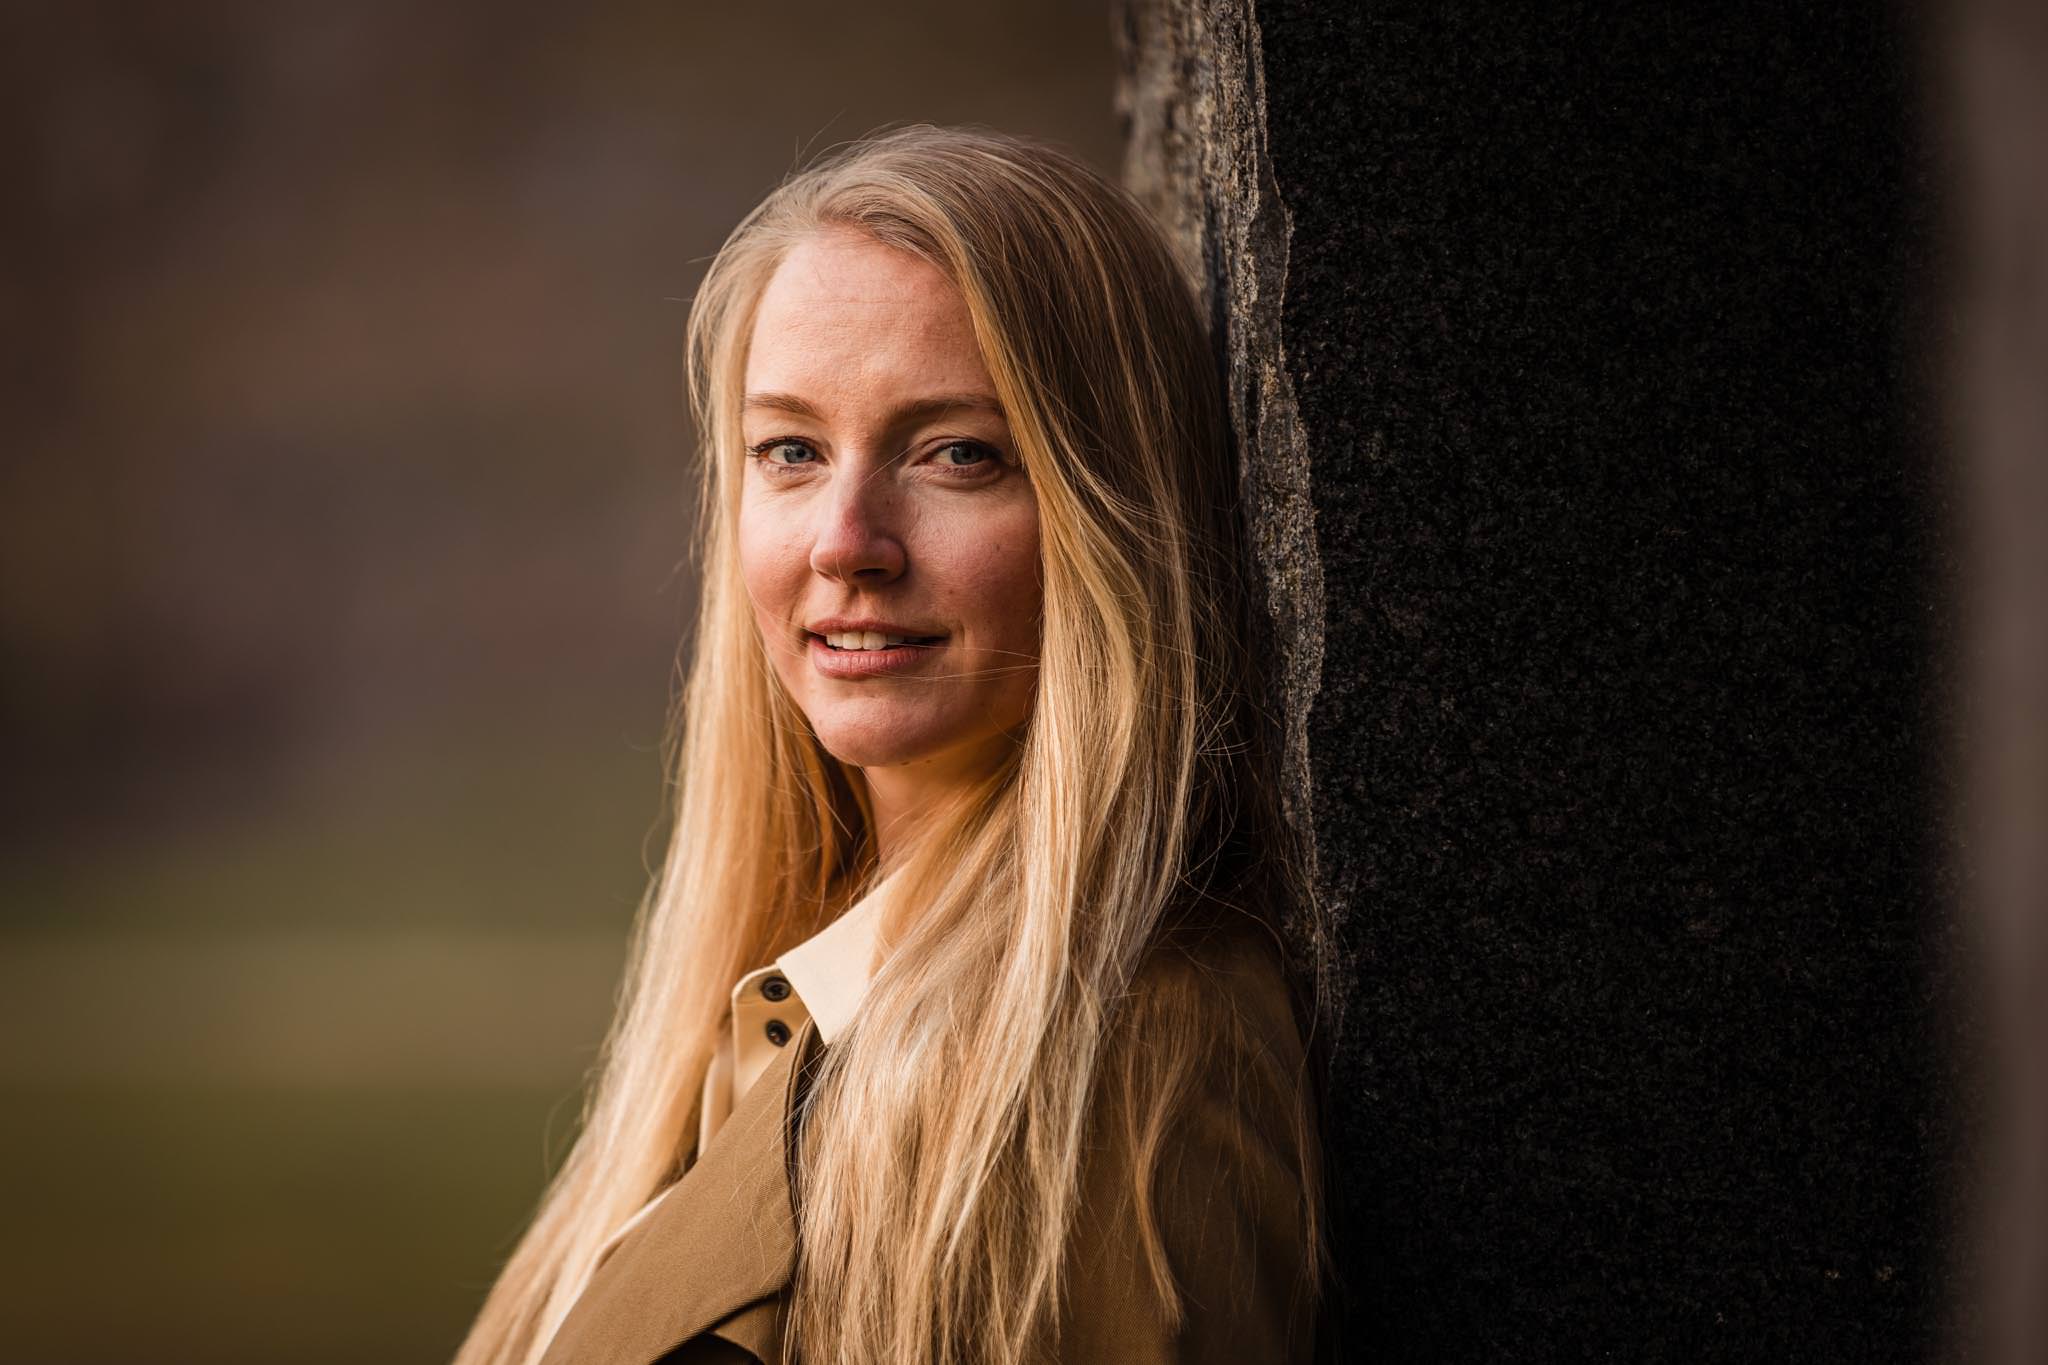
{"x": 772, "y": 563}
{"x": 992, "y": 570}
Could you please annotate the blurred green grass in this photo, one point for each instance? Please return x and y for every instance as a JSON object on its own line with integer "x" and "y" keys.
{"x": 229, "y": 1225}
{"x": 283, "y": 1085}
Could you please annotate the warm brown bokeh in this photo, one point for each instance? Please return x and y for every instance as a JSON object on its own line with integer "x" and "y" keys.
{"x": 343, "y": 528}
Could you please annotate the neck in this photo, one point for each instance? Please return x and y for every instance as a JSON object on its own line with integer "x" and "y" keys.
{"x": 904, "y": 797}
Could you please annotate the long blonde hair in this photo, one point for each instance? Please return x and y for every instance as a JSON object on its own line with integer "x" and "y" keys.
{"x": 942, "y": 1144}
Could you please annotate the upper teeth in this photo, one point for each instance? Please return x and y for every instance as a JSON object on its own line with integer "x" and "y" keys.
{"x": 865, "y": 639}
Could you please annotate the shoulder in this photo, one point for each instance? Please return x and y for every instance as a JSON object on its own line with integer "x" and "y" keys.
{"x": 1226, "y": 977}
{"x": 1212, "y": 1022}
{"x": 1194, "y": 1238}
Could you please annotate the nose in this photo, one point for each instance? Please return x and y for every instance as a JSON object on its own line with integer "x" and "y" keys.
{"x": 855, "y": 539}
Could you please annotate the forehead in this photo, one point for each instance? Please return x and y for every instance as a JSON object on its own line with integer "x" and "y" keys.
{"x": 844, "y": 312}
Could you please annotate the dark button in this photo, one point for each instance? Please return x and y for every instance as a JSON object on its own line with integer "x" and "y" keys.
{"x": 778, "y": 1032}
{"x": 775, "y": 988}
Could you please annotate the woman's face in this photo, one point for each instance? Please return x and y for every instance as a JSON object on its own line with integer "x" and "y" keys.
{"x": 887, "y": 533}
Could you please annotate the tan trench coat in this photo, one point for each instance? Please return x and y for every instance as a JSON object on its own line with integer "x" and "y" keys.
{"x": 705, "y": 1278}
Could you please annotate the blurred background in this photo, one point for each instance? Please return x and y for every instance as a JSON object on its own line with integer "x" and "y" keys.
{"x": 343, "y": 565}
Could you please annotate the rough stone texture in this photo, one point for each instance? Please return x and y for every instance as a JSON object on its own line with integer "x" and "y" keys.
{"x": 1194, "y": 112}
{"x": 1576, "y": 361}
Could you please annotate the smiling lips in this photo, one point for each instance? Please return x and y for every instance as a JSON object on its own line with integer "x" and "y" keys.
{"x": 873, "y": 639}
{"x": 869, "y": 633}
{"x": 870, "y": 653}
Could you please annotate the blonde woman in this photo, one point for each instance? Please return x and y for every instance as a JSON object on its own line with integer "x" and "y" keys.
{"x": 956, "y": 1029}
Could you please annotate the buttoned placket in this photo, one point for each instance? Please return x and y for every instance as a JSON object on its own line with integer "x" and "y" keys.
{"x": 766, "y": 1013}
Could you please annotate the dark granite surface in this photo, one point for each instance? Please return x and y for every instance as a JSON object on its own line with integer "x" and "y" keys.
{"x": 1627, "y": 753}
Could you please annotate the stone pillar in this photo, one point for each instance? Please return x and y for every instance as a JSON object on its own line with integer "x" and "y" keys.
{"x": 1577, "y": 365}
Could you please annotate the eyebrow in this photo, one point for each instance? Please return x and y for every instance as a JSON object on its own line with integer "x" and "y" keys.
{"x": 913, "y": 411}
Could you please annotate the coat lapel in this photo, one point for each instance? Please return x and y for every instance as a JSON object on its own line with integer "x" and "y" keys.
{"x": 722, "y": 1239}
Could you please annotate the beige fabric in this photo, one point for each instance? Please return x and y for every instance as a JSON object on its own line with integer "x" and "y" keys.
{"x": 705, "y": 1277}
{"x": 695, "y": 1272}
{"x": 827, "y": 975}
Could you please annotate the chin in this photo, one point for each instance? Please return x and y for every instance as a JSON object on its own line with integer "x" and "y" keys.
{"x": 872, "y": 743}
{"x": 903, "y": 741}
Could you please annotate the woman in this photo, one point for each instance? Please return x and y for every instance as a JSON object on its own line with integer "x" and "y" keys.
{"x": 955, "y": 1029}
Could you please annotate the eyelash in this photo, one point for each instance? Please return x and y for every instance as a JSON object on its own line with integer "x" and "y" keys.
{"x": 760, "y": 451}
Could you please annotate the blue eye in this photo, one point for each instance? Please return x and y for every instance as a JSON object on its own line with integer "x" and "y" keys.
{"x": 765, "y": 452}
{"x": 975, "y": 453}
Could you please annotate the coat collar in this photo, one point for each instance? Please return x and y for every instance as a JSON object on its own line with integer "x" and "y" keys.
{"x": 722, "y": 1240}
{"x": 831, "y": 970}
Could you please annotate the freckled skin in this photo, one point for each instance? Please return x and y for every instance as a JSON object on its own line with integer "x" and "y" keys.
{"x": 866, "y": 511}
